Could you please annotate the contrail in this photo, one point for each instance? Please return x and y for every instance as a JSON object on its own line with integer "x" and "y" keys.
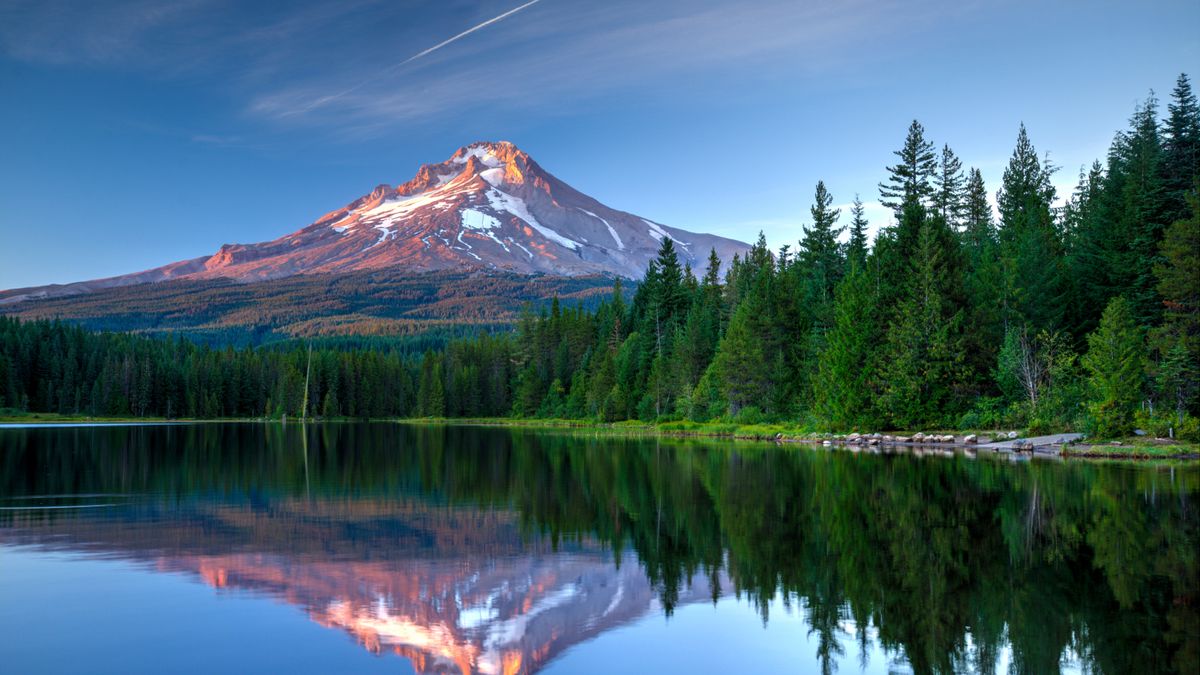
{"x": 333, "y": 97}
{"x": 466, "y": 33}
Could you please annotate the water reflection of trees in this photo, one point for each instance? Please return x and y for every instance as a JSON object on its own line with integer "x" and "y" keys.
{"x": 947, "y": 560}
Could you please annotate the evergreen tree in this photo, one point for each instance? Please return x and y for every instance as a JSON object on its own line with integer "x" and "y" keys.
{"x": 948, "y": 198}
{"x": 924, "y": 341}
{"x": 1181, "y": 156}
{"x": 1142, "y": 209}
{"x": 431, "y": 395}
{"x": 843, "y": 388}
{"x": 1115, "y": 363}
{"x": 978, "y": 228}
{"x": 983, "y": 281}
{"x": 1035, "y": 289}
{"x": 742, "y": 359}
{"x": 911, "y": 179}
{"x": 820, "y": 254}
{"x": 1179, "y": 284}
{"x": 857, "y": 248}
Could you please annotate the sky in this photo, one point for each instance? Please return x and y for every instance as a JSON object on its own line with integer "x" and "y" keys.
{"x": 135, "y": 133}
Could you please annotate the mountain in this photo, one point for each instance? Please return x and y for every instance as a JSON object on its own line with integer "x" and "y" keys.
{"x": 488, "y": 207}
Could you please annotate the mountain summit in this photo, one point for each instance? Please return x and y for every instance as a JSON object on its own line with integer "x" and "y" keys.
{"x": 488, "y": 206}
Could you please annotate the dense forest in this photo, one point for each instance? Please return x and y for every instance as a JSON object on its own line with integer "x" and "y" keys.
{"x": 1079, "y": 315}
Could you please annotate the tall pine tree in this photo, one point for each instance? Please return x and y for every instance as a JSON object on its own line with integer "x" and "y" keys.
{"x": 911, "y": 179}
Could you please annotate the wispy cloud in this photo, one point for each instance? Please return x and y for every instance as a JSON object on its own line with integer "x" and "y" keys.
{"x": 570, "y": 54}
{"x": 341, "y": 66}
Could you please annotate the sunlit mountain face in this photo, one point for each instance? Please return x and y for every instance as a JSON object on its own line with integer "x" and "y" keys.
{"x": 471, "y": 550}
{"x": 489, "y": 208}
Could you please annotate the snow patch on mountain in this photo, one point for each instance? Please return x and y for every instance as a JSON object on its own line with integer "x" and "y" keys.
{"x": 478, "y": 220}
{"x": 502, "y": 201}
{"x": 658, "y": 233}
{"x": 613, "y": 232}
{"x": 481, "y": 153}
{"x": 494, "y": 177}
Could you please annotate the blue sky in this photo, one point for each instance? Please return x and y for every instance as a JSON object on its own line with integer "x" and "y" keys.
{"x": 136, "y": 133}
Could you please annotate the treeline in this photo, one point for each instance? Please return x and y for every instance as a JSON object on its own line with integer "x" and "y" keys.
{"x": 61, "y": 368}
{"x": 1085, "y": 315}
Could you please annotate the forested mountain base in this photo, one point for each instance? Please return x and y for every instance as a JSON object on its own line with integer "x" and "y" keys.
{"x": 402, "y": 307}
{"x": 1084, "y": 316}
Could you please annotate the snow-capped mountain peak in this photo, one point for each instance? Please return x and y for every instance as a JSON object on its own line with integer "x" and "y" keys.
{"x": 489, "y": 205}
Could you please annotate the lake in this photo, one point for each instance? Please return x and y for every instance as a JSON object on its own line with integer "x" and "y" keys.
{"x": 376, "y": 547}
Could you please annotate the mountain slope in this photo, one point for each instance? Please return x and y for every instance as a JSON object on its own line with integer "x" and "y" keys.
{"x": 418, "y": 308}
{"x": 489, "y": 207}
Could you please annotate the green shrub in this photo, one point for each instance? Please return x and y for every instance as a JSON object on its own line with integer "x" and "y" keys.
{"x": 749, "y": 415}
{"x": 1163, "y": 424}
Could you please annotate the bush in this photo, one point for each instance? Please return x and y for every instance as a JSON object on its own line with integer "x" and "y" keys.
{"x": 1162, "y": 425}
{"x": 987, "y": 413}
{"x": 1109, "y": 419}
{"x": 749, "y": 415}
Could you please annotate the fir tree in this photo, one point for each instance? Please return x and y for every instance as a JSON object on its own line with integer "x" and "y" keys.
{"x": 910, "y": 179}
{"x": 1181, "y": 156}
{"x": 978, "y": 228}
{"x": 1035, "y": 288}
{"x": 982, "y": 281}
{"x": 842, "y": 390}
{"x": 948, "y": 198}
{"x": 1115, "y": 363}
{"x": 1142, "y": 209}
{"x": 1178, "y": 277}
{"x": 857, "y": 247}
{"x": 820, "y": 254}
{"x": 924, "y": 344}
{"x": 742, "y": 360}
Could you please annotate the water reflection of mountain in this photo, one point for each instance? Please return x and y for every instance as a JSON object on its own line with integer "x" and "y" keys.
{"x": 949, "y": 562}
{"x": 453, "y": 590}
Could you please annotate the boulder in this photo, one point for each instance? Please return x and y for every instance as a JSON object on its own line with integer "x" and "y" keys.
{"x": 903, "y": 439}
{"x": 918, "y": 437}
{"x": 971, "y": 438}
{"x": 1011, "y": 435}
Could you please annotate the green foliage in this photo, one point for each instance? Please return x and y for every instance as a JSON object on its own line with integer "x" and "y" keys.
{"x": 1115, "y": 363}
{"x": 1034, "y": 286}
{"x": 924, "y": 346}
{"x": 1168, "y": 425}
{"x": 910, "y": 181}
{"x": 844, "y": 392}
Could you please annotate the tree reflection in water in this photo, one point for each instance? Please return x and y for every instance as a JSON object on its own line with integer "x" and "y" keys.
{"x": 492, "y": 550}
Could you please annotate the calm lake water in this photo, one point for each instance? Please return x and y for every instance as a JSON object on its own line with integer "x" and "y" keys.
{"x": 390, "y": 548}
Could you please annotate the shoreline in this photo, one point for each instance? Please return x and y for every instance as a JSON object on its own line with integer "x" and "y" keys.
{"x": 1149, "y": 450}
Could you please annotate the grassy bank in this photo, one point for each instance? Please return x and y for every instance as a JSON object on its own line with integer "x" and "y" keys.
{"x": 682, "y": 429}
{"x": 1135, "y": 447}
